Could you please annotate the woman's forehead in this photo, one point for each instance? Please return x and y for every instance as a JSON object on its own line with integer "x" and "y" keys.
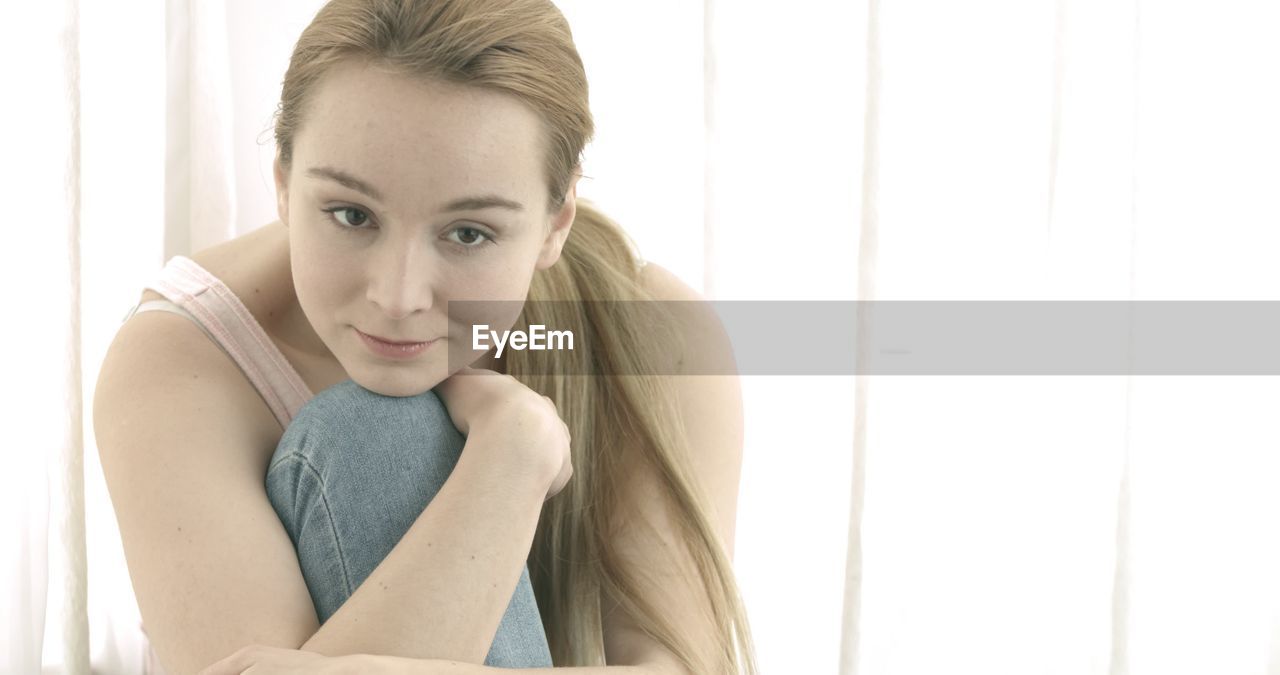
{"x": 378, "y": 122}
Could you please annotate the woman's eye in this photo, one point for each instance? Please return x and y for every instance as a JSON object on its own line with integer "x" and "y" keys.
{"x": 348, "y": 216}
{"x": 469, "y": 236}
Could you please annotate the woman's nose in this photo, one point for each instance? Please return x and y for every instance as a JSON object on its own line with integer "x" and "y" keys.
{"x": 400, "y": 279}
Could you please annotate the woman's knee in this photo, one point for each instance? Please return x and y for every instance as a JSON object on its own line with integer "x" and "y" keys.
{"x": 347, "y": 430}
{"x": 348, "y": 478}
{"x": 375, "y": 461}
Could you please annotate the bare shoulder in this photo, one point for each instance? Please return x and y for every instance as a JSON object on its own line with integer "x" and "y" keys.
{"x": 255, "y": 267}
{"x": 705, "y": 347}
{"x": 162, "y": 377}
{"x": 663, "y": 284}
{"x": 162, "y": 347}
{"x": 168, "y": 352}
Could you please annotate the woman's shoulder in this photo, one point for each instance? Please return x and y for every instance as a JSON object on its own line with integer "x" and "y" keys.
{"x": 167, "y": 350}
{"x": 162, "y": 383}
{"x": 253, "y": 266}
{"x": 703, "y": 345}
{"x": 662, "y": 284}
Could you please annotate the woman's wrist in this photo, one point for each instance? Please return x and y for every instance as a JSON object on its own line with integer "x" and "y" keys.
{"x": 505, "y": 452}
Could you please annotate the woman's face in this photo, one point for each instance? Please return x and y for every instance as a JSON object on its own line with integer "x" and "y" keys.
{"x": 403, "y": 195}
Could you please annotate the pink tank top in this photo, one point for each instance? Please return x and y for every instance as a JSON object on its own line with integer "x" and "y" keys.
{"x": 195, "y": 293}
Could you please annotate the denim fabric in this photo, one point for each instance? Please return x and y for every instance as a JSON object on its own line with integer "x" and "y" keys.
{"x": 352, "y": 472}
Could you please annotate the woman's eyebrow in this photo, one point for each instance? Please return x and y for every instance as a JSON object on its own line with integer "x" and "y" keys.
{"x": 483, "y": 202}
{"x": 345, "y": 179}
{"x": 463, "y": 204}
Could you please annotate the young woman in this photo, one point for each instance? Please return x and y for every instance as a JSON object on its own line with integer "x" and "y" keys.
{"x": 315, "y": 471}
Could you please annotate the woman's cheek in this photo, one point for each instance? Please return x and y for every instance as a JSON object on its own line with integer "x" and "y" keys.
{"x": 319, "y": 277}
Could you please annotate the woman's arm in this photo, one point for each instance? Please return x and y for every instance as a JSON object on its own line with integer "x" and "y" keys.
{"x": 184, "y": 439}
{"x": 275, "y": 661}
{"x": 442, "y": 590}
{"x": 437, "y": 667}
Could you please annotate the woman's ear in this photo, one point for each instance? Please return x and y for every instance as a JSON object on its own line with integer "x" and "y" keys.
{"x": 282, "y": 191}
{"x": 561, "y": 223}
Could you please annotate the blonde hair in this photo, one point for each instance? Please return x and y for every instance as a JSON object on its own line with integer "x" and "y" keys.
{"x": 524, "y": 48}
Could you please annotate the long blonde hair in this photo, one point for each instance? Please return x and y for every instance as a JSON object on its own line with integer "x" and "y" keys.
{"x": 524, "y": 48}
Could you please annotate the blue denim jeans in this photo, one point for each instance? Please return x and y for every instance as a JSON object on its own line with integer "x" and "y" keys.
{"x": 352, "y": 472}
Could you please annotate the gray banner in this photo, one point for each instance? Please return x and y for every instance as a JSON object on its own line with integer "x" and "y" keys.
{"x": 900, "y": 337}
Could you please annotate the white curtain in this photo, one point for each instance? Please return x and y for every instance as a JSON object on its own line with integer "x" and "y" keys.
{"x": 877, "y": 150}
{"x": 41, "y": 482}
{"x": 1081, "y": 150}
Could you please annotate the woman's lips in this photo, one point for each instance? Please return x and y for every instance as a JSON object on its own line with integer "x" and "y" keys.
{"x": 393, "y": 349}
{"x": 395, "y": 342}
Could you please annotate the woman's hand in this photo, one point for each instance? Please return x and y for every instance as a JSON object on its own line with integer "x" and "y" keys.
{"x": 262, "y": 660}
{"x": 511, "y": 417}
